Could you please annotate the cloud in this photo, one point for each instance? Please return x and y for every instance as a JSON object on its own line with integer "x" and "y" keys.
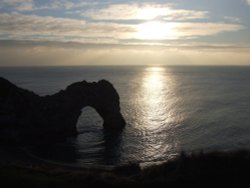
{"x": 194, "y": 30}
{"x": 13, "y": 2}
{"x": 115, "y": 23}
{"x": 32, "y": 27}
{"x": 18, "y": 26}
{"x": 233, "y": 19}
{"x": 248, "y": 2}
{"x": 19, "y": 5}
{"x": 31, "y": 5}
{"x": 143, "y": 12}
{"x": 181, "y": 30}
{"x": 25, "y": 7}
{"x": 18, "y": 53}
{"x": 58, "y": 4}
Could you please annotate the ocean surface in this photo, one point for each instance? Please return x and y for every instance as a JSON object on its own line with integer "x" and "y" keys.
{"x": 167, "y": 110}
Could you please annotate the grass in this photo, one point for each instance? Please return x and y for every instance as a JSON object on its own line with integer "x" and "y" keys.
{"x": 215, "y": 169}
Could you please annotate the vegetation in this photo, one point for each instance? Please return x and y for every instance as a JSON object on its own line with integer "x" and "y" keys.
{"x": 217, "y": 169}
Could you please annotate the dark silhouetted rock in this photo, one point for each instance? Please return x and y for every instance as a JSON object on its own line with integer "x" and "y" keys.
{"x": 27, "y": 116}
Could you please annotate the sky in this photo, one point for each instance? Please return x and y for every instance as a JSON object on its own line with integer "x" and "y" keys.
{"x": 122, "y": 32}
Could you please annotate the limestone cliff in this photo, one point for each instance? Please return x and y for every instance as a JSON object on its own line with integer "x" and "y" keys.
{"x": 25, "y": 115}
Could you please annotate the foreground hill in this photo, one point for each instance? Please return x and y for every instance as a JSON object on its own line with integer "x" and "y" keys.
{"x": 217, "y": 169}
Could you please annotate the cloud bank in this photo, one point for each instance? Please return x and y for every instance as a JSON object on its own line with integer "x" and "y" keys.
{"x": 143, "y": 12}
{"x": 51, "y": 54}
{"x": 23, "y": 27}
{"x": 106, "y": 32}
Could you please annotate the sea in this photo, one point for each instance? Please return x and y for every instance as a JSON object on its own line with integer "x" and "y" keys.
{"x": 168, "y": 109}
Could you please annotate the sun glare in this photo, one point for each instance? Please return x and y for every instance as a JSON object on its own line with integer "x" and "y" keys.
{"x": 155, "y": 30}
{"x": 149, "y": 13}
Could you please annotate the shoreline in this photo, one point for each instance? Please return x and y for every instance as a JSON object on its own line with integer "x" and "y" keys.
{"x": 210, "y": 169}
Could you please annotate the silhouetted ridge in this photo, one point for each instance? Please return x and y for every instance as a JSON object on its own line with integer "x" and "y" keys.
{"x": 25, "y": 115}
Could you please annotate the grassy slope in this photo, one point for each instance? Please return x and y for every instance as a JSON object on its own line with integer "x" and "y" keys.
{"x": 218, "y": 169}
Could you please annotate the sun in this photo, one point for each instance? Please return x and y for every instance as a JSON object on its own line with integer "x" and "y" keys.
{"x": 155, "y": 30}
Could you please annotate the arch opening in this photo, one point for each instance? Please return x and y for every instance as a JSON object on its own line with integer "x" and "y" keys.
{"x": 89, "y": 120}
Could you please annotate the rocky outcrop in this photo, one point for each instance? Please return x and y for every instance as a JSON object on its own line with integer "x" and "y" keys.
{"x": 24, "y": 115}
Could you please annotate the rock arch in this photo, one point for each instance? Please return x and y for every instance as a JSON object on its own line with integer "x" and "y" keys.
{"x": 28, "y": 115}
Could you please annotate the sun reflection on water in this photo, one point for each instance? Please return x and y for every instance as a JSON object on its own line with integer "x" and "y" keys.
{"x": 157, "y": 99}
{"x": 154, "y": 79}
{"x": 155, "y": 89}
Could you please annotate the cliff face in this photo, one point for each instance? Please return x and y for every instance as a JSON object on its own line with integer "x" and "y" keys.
{"x": 25, "y": 115}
